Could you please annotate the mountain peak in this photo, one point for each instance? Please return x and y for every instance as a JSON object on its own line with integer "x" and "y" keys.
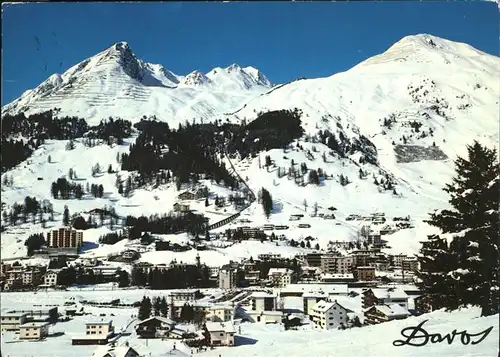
{"x": 233, "y": 68}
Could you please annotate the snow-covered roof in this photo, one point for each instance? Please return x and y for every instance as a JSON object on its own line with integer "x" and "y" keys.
{"x": 278, "y": 271}
{"x": 106, "y": 322}
{"x": 323, "y": 306}
{"x": 389, "y": 293}
{"x": 317, "y": 289}
{"x": 34, "y": 324}
{"x": 262, "y": 294}
{"x": 159, "y": 318}
{"x": 102, "y": 351}
{"x": 220, "y": 326}
{"x": 391, "y": 310}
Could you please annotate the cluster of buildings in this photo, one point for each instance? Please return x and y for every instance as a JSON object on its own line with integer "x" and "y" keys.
{"x": 30, "y": 324}
{"x": 18, "y": 277}
{"x": 363, "y": 267}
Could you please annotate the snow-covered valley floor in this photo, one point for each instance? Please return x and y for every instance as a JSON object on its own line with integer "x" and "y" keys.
{"x": 257, "y": 340}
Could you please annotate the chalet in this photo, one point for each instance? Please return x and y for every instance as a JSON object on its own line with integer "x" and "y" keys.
{"x": 187, "y": 196}
{"x": 382, "y": 313}
{"x": 329, "y": 315}
{"x": 154, "y": 327}
{"x": 372, "y": 297}
{"x": 181, "y": 207}
{"x": 109, "y": 351}
{"x": 33, "y": 330}
{"x": 96, "y": 333}
{"x": 130, "y": 255}
{"x": 220, "y": 333}
{"x": 97, "y": 212}
{"x": 423, "y": 304}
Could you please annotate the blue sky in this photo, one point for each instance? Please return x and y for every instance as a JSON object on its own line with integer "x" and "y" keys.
{"x": 284, "y": 40}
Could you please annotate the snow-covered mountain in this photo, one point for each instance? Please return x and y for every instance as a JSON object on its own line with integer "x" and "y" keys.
{"x": 116, "y": 83}
{"x": 415, "y": 107}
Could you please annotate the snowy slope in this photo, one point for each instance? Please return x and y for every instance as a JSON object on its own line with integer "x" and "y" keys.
{"x": 116, "y": 83}
{"x": 447, "y": 87}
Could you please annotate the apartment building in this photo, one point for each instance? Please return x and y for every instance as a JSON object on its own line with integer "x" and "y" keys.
{"x": 65, "y": 238}
{"x": 34, "y": 330}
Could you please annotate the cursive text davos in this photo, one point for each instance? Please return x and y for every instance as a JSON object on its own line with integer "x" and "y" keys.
{"x": 418, "y": 337}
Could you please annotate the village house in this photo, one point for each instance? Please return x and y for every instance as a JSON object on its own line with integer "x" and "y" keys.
{"x": 423, "y": 304}
{"x": 388, "y": 296}
{"x": 130, "y": 255}
{"x": 154, "y": 327}
{"x": 329, "y": 315}
{"x": 280, "y": 277}
{"x": 96, "y": 333}
{"x": 11, "y": 320}
{"x": 33, "y": 330}
{"x": 365, "y": 273}
{"x": 187, "y": 196}
{"x": 382, "y": 313}
{"x": 220, "y": 333}
{"x": 181, "y": 207}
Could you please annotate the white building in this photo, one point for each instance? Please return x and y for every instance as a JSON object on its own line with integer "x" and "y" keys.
{"x": 50, "y": 278}
{"x": 33, "y": 330}
{"x": 220, "y": 313}
{"x": 329, "y": 315}
{"x": 221, "y": 333}
{"x": 100, "y": 328}
{"x": 281, "y": 277}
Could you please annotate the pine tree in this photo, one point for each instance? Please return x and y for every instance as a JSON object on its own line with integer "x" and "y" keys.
{"x": 66, "y": 216}
{"x": 267, "y": 202}
{"x": 144, "y": 309}
{"x": 472, "y": 224}
{"x": 157, "y": 306}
